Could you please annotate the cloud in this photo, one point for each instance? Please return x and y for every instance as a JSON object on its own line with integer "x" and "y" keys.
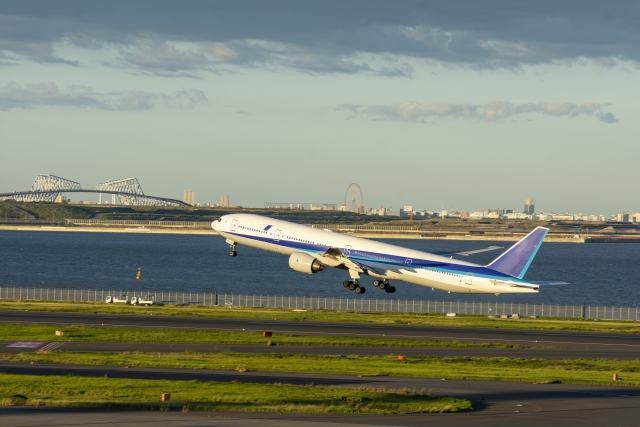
{"x": 161, "y": 58}
{"x": 168, "y": 38}
{"x": 607, "y": 117}
{"x": 171, "y": 60}
{"x": 491, "y": 112}
{"x": 14, "y": 96}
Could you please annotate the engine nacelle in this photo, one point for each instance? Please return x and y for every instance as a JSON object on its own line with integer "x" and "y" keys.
{"x": 305, "y": 263}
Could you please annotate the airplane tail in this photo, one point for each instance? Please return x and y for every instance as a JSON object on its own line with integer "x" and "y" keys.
{"x": 516, "y": 260}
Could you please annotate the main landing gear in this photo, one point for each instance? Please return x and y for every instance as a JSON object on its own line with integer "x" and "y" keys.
{"x": 354, "y": 286}
{"x": 384, "y": 285}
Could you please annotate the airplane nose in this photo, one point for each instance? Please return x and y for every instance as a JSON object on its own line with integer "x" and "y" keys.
{"x": 215, "y": 224}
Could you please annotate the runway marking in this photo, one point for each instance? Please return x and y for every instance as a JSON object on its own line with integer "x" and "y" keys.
{"x": 50, "y": 347}
{"x": 26, "y": 344}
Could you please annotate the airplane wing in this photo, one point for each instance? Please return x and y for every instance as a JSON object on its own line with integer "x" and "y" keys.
{"x": 333, "y": 257}
{"x": 467, "y": 253}
{"x": 544, "y": 283}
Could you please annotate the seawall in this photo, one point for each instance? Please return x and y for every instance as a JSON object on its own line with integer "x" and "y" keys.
{"x": 363, "y": 234}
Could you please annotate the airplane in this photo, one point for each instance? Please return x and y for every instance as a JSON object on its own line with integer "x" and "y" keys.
{"x": 312, "y": 250}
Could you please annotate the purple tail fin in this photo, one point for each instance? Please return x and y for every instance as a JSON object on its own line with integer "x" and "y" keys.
{"x": 516, "y": 260}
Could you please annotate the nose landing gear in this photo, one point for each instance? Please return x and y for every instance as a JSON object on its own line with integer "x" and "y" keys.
{"x": 233, "y": 252}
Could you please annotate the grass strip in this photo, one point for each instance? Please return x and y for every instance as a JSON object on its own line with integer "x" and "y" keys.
{"x": 21, "y": 332}
{"x": 577, "y": 371}
{"x": 432, "y": 319}
{"x": 68, "y": 391}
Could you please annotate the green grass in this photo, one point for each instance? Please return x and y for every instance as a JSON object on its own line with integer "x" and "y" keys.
{"x": 478, "y": 321}
{"x": 147, "y": 335}
{"x": 195, "y": 395}
{"x": 580, "y": 371}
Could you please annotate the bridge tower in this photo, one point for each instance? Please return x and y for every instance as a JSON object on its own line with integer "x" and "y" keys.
{"x": 134, "y": 196}
{"x": 46, "y": 188}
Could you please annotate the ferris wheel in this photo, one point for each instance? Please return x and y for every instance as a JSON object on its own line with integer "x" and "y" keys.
{"x": 353, "y": 198}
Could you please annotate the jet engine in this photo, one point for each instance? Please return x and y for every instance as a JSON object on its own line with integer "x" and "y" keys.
{"x": 305, "y": 263}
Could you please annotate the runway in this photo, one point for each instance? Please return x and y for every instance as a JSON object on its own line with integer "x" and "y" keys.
{"x": 496, "y": 403}
{"x": 594, "y": 352}
{"x": 573, "y": 344}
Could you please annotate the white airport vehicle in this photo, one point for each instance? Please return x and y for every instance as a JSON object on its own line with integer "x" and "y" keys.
{"x": 117, "y": 299}
{"x": 142, "y": 300}
{"x": 312, "y": 250}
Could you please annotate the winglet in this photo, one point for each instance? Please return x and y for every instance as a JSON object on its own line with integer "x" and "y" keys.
{"x": 516, "y": 260}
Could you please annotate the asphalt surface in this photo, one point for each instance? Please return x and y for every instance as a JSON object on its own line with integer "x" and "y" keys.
{"x": 572, "y": 344}
{"x": 597, "y": 352}
{"x": 496, "y": 403}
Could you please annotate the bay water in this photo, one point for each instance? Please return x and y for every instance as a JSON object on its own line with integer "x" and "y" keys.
{"x": 605, "y": 274}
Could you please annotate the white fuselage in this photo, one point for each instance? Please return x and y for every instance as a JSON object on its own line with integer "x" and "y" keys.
{"x": 386, "y": 261}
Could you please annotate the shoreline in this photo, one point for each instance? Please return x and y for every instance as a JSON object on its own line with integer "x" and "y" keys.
{"x": 364, "y": 234}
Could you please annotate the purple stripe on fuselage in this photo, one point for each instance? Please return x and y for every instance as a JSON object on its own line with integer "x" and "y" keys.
{"x": 391, "y": 260}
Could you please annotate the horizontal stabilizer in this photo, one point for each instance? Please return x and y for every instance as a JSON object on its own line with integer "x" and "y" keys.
{"x": 512, "y": 284}
{"x": 516, "y": 260}
{"x": 543, "y": 283}
{"x": 467, "y": 253}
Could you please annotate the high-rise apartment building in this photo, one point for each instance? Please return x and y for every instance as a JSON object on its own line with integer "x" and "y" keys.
{"x": 224, "y": 201}
{"x": 189, "y": 196}
{"x": 622, "y": 217}
{"x": 529, "y": 207}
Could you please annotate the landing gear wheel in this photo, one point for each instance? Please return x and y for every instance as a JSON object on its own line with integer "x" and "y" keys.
{"x": 362, "y": 290}
{"x": 378, "y": 283}
{"x": 359, "y": 290}
{"x": 233, "y": 253}
{"x": 346, "y": 283}
{"x": 392, "y": 289}
{"x": 352, "y": 286}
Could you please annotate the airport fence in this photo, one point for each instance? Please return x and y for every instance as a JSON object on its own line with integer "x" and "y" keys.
{"x": 329, "y": 303}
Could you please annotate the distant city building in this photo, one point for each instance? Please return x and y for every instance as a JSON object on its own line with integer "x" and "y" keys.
{"x": 189, "y": 196}
{"x": 591, "y": 217}
{"x": 529, "y": 207}
{"x": 556, "y": 217}
{"x": 635, "y": 217}
{"x": 61, "y": 199}
{"x": 224, "y": 201}
{"x": 499, "y": 211}
{"x": 517, "y": 215}
{"x": 622, "y": 217}
{"x": 302, "y": 206}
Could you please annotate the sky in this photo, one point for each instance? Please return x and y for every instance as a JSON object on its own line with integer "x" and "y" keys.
{"x": 460, "y": 104}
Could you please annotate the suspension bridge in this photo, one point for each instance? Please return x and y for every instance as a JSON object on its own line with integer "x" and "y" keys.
{"x": 47, "y": 188}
